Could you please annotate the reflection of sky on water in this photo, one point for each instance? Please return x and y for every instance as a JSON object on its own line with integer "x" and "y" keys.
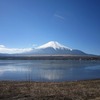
{"x": 51, "y": 75}
{"x": 4, "y": 69}
{"x": 49, "y": 70}
{"x": 93, "y": 67}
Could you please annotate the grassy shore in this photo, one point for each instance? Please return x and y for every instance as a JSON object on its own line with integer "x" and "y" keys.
{"x": 79, "y": 90}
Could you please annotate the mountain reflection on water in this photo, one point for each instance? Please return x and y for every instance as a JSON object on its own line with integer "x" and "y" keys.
{"x": 49, "y": 70}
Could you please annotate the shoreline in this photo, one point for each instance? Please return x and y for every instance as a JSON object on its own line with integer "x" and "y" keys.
{"x": 28, "y": 90}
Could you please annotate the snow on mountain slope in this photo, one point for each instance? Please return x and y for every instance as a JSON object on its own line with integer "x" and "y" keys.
{"x": 54, "y": 48}
{"x": 53, "y": 44}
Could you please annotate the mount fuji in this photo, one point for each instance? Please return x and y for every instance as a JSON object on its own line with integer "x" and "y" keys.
{"x": 54, "y": 48}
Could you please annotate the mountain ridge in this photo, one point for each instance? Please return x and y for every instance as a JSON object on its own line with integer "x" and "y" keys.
{"x": 55, "y": 48}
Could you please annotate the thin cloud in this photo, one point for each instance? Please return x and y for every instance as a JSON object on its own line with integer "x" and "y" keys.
{"x": 34, "y": 45}
{"x": 4, "y": 49}
{"x": 2, "y": 46}
{"x": 59, "y": 16}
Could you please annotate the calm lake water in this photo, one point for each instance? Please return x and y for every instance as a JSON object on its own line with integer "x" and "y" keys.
{"x": 49, "y": 70}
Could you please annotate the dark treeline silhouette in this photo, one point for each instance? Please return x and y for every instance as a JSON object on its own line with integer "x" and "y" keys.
{"x": 52, "y": 57}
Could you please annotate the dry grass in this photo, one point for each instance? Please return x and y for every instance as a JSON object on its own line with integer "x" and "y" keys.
{"x": 81, "y": 90}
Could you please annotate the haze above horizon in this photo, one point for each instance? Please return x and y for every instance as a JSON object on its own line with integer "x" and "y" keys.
{"x": 30, "y": 23}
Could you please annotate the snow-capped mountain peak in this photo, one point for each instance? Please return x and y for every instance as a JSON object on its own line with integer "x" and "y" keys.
{"x": 53, "y": 44}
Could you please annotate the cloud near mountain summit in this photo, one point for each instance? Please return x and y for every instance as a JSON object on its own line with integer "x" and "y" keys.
{"x": 4, "y": 49}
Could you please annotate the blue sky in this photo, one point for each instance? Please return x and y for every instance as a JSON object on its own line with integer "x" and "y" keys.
{"x": 27, "y": 23}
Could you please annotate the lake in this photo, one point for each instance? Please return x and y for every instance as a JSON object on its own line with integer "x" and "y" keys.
{"x": 49, "y": 70}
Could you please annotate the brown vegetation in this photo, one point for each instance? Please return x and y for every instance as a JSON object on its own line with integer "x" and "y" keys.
{"x": 81, "y": 90}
